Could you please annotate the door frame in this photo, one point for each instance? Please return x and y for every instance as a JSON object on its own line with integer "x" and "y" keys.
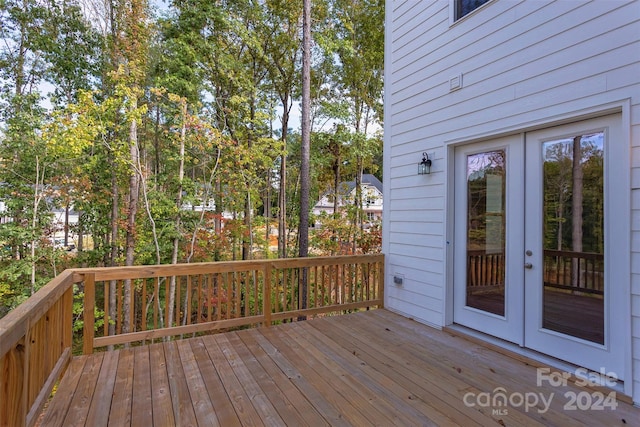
{"x": 521, "y": 125}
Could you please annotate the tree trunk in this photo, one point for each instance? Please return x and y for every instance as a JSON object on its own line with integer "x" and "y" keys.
{"x": 303, "y": 229}
{"x": 176, "y": 240}
{"x": 134, "y": 184}
{"x": 80, "y": 232}
{"x": 115, "y": 213}
{"x": 156, "y": 140}
{"x": 66, "y": 225}
{"x": 267, "y": 212}
{"x": 336, "y": 177}
{"x": 37, "y": 196}
{"x": 359, "y": 223}
{"x": 282, "y": 188}
{"x": 218, "y": 217}
{"x": 576, "y": 232}
{"x": 247, "y": 240}
{"x": 335, "y": 149}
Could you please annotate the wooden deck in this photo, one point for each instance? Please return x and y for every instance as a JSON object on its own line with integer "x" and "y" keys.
{"x": 369, "y": 368}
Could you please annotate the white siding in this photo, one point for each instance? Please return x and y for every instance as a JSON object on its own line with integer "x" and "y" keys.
{"x": 525, "y": 65}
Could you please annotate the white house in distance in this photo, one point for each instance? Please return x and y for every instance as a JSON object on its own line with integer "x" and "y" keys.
{"x": 372, "y": 198}
{"x": 526, "y": 231}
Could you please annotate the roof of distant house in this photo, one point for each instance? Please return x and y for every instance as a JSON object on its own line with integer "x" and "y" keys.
{"x": 367, "y": 178}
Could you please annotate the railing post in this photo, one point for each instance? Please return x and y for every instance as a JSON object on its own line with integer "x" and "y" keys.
{"x": 13, "y": 383}
{"x": 381, "y": 278}
{"x": 67, "y": 318}
{"x": 89, "y": 312}
{"x": 266, "y": 297}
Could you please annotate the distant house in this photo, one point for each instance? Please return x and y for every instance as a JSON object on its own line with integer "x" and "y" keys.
{"x": 526, "y": 230}
{"x": 208, "y": 206}
{"x": 3, "y": 211}
{"x": 372, "y": 198}
{"x": 64, "y": 219}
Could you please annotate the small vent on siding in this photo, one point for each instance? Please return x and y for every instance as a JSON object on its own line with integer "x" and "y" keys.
{"x": 455, "y": 82}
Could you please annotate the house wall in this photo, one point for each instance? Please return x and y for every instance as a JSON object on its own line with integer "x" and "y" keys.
{"x": 525, "y": 65}
{"x": 369, "y": 192}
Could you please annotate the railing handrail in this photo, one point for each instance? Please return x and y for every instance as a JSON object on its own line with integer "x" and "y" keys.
{"x": 15, "y": 324}
{"x": 547, "y": 252}
{"x": 161, "y": 270}
{"x": 573, "y": 254}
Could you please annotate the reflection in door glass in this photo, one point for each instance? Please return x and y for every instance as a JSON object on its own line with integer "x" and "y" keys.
{"x": 486, "y": 231}
{"x": 573, "y": 219}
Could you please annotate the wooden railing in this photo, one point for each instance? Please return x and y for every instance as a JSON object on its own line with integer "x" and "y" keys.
{"x": 35, "y": 349}
{"x": 485, "y": 270}
{"x": 574, "y": 271}
{"x": 36, "y": 338}
{"x": 571, "y": 271}
{"x": 220, "y": 295}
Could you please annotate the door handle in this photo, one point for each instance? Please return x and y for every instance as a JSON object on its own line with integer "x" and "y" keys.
{"x": 528, "y": 265}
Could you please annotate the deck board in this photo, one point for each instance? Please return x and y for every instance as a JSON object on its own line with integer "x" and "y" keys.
{"x": 100, "y": 408}
{"x": 365, "y": 385}
{"x": 58, "y": 408}
{"x": 268, "y": 387}
{"x": 224, "y": 413}
{"x": 336, "y": 386}
{"x": 162, "y": 407}
{"x": 247, "y": 413}
{"x": 197, "y": 388}
{"x": 142, "y": 395}
{"x": 84, "y": 392}
{"x": 120, "y": 414}
{"x": 295, "y": 373}
{"x": 180, "y": 397}
{"x": 423, "y": 385}
{"x": 285, "y": 403}
{"x": 368, "y": 368}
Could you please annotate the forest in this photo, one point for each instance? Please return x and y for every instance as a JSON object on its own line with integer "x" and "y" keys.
{"x": 170, "y": 131}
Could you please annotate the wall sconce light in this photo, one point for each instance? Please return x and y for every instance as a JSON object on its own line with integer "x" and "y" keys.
{"x": 424, "y": 167}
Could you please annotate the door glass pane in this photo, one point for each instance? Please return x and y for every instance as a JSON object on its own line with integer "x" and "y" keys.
{"x": 573, "y": 218}
{"x": 486, "y": 231}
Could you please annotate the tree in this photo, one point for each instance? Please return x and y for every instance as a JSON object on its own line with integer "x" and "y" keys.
{"x": 129, "y": 57}
{"x": 26, "y": 166}
{"x": 303, "y": 229}
{"x": 354, "y": 95}
{"x": 576, "y": 233}
{"x": 145, "y": 128}
{"x": 283, "y": 52}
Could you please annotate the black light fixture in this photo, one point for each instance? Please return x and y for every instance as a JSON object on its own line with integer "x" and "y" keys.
{"x": 424, "y": 167}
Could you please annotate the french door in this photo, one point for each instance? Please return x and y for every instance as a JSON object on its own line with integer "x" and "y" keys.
{"x": 535, "y": 259}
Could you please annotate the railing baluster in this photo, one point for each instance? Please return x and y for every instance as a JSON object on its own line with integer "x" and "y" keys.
{"x": 132, "y": 308}
{"x": 197, "y": 296}
{"x": 167, "y": 286}
{"x": 119, "y": 307}
{"x": 89, "y": 313}
{"x": 266, "y": 295}
{"x": 105, "y": 326}
{"x": 228, "y": 285}
{"x": 187, "y": 301}
{"x": 156, "y": 296}
{"x": 143, "y": 306}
